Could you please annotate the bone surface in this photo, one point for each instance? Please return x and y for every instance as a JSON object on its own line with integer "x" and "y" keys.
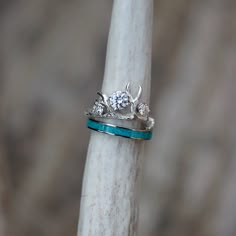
{"x": 109, "y": 202}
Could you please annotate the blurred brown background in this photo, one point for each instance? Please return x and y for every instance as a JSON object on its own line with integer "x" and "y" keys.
{"x": 52, "y": 57}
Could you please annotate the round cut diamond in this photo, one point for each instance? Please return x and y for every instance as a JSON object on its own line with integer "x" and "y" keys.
{"x": 142, "y": 109}
{"x": 98, "y": 108}
{"x": 119, "y": 100}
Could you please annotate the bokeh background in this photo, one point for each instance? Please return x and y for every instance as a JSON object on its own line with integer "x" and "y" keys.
{"x": 52, "y": 56}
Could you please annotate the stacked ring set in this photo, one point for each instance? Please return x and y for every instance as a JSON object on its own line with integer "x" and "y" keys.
{"x": 121, "y": 105}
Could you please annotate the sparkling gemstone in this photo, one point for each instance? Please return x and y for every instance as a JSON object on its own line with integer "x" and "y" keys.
{"x": 142, "y": 109}
{"x": 119, "y": 100}
{"x": 98, "y": 108}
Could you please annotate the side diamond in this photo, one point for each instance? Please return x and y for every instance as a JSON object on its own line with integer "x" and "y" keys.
{"x": 142, "y": 109}
{"x": 98, "y": 108}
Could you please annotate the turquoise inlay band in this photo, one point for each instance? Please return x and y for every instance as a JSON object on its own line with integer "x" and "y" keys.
{"x": 119, "y": 131}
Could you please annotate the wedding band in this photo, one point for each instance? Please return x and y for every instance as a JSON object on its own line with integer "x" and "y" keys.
{"x": 119, "y": 131}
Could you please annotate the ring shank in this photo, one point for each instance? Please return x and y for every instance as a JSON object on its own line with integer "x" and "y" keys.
{"x": 119, "y": 131}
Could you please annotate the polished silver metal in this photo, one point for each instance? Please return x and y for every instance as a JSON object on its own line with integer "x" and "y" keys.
{"x": 123, "y": 106}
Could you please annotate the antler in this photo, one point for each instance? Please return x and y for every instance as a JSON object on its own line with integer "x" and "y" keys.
{"x": 103, "y": 97}
{"x": 139, "y": 94}
{"x": 127, "y": 88}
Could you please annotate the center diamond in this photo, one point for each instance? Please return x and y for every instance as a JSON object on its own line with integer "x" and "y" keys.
{"x": 119, "y": 100}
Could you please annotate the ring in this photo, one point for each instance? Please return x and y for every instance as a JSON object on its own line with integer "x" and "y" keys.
{"x": 123, "y": 106}
{"x": 119, "y": 131}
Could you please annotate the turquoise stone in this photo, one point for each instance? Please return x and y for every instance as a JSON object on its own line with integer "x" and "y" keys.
{"x": 124, "y": 132}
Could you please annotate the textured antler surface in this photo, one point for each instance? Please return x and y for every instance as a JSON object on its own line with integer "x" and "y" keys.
{"x": 109, "y": 204}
